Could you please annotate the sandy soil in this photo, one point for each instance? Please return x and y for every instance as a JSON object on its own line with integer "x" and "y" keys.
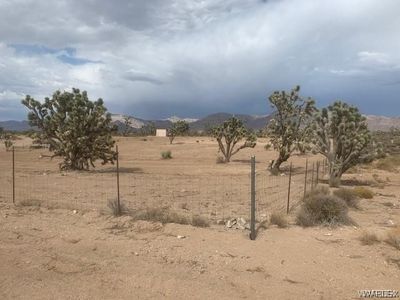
{"x": 81, "y": 253}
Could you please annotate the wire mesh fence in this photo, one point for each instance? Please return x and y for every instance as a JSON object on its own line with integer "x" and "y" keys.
{"x": 32, "y": 179}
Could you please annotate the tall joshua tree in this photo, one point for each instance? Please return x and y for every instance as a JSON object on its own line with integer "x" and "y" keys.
{"x": 76, "y": 129}
{"x": 180, "y": 127}
{"x": 229, "y": 134}
{"x": 342, "y": 136}
{"x": 289, "y": 127}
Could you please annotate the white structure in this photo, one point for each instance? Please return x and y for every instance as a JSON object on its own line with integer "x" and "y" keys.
{"x": 161, "y": 132}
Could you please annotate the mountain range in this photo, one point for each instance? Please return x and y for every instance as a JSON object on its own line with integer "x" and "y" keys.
{"x": 251, "y": 121}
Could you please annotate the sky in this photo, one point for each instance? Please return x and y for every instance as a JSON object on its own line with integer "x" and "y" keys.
{"x": 157, "y": 58}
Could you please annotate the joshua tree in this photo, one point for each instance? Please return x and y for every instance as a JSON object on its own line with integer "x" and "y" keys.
{"x": 76, "y": 129}
{"x": 148, "y": 129}
{"x": 127, "y": 125}
{"x": 178, "y": 128}
{"x": 342, "y": 136}
{"x": 231, "y": 132}
{"x": 289, "y": 129}
{"x": 7, "y": 137}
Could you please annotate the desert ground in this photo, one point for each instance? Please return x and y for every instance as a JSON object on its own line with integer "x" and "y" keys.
{"x": 60, "y": 241}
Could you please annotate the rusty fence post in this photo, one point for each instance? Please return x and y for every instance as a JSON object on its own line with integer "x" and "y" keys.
{"x": 118, "y": 197}
{"x": 305, "y": 179}
{"x": 253, "y": 199}
{"x": 289, "y": 186}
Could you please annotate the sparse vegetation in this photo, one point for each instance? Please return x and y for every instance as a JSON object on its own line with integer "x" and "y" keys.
{"x": 319, "y": 207}
{"x": 231, "y": 132}
{"x": 30, "y": 202}
{"x": 363, "y": 192}
{"x": 348, "y": 196}
{"x": 199, "y": 221}
{"x": 76, "y": 129}
{"x": 115, "y": 209}
{"x": 393, "y": 237}
{"x": 368, "y": 238}
{"x": 279, "y": 219}
{"x": 166, "y": 154}
{"x": 341, "y": 134}
{"x": 290, "y": 127}
{"x": 389, "y": 163}
{"x": 127, "y": 125}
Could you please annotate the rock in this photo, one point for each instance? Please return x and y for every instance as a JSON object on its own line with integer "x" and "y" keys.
{"x": 74, "y": 211}
{"x": 181, "y": 237}
{"x": 231, "y": 223}
{"x": 220, "y": 222}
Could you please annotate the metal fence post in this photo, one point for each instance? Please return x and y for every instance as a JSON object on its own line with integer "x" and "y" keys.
{"x": 305, "y": 178}
{"x": 13, "y": 175}
{"x": 317, "y": 180}
{"x": 253, "y": 199}
{"x": 118, "y": 198}
{"x": 290, "y": 183}
{"x": 312, "y": 176}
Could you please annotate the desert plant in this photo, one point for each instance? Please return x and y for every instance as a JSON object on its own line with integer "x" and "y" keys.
{"x": 393, "y": 237}
{"x": 321, "y": 208}
{"x": 348, "y": 196}
{"x": 229, "y": 134}
{"x": 389, "y": 163}
{"x": 127, "y": 125}
{"x": 289, "y": 128}
{"x": 368, "y": 238}
{"x": 342, "y": 136}
{"x": 148, "y": 129}
{"x": 279, "y": 219}
{"x": 199, "y": 221}
{"x": 162, "y": 215}
{"x": 76, "y": 129}
{"x": 115, "y": 209}
{"x": 363, "y": 192}
{"x": 166, "y": 154}
{"x": 178, "y": 128}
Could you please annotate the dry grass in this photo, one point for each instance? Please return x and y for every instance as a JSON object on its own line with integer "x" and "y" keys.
{"x": 390, "y": 163}
{"x": 279, "y": 219}
{"x": 393, "y": 237}
{"x": 319, "y": 207}
{"x": 348, "y": 196}
{"x": 30, "y": 202}
{"x": 368, "y": 238}
{"x": 165, "y": 215}
{"x": 116, "y": 210}
{"x": 363, "y": 192}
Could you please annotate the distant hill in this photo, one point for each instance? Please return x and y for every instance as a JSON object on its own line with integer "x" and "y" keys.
{"x": 251, "y": 121}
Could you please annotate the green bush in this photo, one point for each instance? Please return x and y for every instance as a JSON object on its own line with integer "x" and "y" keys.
{"x": 348, "y": 196}
{"x": 319, "y": 207}
{"x": 166, "y": 154}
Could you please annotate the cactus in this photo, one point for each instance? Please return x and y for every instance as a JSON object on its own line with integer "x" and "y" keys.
{"x": 342, "y": 136}
{"x": 290, "y": 127}
{"x": 178, "y": 128}
{"x": 231, "y": 132}
{"x": 75, "y": 128}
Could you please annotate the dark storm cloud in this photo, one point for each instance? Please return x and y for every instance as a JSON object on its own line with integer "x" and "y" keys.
{"x": 157, "y": 58}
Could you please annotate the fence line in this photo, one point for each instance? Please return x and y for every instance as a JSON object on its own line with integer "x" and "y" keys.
{"x": 27, "y": 180}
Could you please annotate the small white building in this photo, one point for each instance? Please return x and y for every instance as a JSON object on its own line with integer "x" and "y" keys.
{"x": 161, "y": 132}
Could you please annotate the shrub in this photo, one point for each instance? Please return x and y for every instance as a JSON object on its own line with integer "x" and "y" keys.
{"x": 363, "y": 192}
{"x": 368, "y": 238}
{"x": 321, "y": 208}
{"x": 393, "y": 237}
{"x": 220, "y": 160}
{"x": 162, "y": 215}
{"x": 199, "y": 221}
{"x": 390, "y": 163}
{"x": 30, "y": 202}
{"x": 115, "y": 210}
{"x": 348, "y": 196}
{"x": 166, "y": 154}
{"x": 279, "y": 219}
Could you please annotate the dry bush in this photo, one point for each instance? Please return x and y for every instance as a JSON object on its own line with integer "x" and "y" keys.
{"x": 220, "y": 160}
{"x": 116, "y": 210}
{"x": 166, "y": 154}
{"x": 393, "y": 237}
{"x": 348, "y": 196}
{"x": 363, "y": 192}
{"x": 319, "y": 207}
{"x": 30, "y": 202}
{"x": 390, "y": 163}
{"x": 199, "y": 221}
{"x": 368, "y": 238}
{"x": 279, "y": 219}
{"x": 162, "y": 215}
